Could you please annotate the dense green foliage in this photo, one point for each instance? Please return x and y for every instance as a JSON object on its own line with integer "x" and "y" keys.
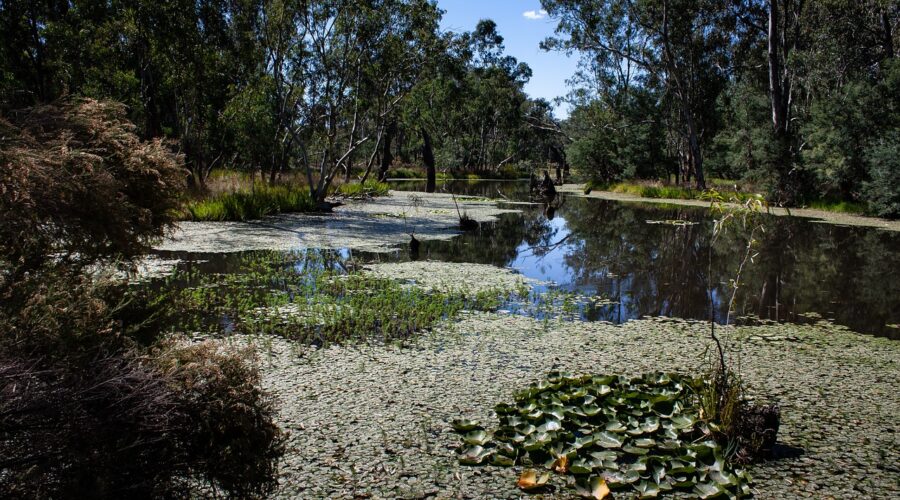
{"x": 798, "y": 97}
{"x": 321, "y": 88}
{"x": 801, "y": 98}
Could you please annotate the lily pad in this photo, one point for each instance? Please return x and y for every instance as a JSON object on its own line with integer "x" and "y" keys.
{"x": 647, "y": 489}
{"x": 641, "y": 434}
{"x": 608, "y": 440}
{"x": 594, "y": 487}
{"x": 581, "y": 466}
{"x": 682, "y": 421}
{"x": 651, "y": 424}
{"x": 706, "y": 490}
{"x": 530, "y": 480}
{"x": 465, "y": 425}
{"x": 478, "y": 437}
{"x": 616, "y": 426}
{"x": 645, "y": 443}
{"x": 474, "y": 455}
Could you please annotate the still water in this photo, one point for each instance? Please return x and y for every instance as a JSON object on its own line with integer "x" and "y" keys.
{"x": 619, "y": 251}
{"x": 598, "y": 247}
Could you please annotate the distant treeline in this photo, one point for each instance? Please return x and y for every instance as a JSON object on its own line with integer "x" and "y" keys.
{"x": 800, "y": 97}
{"x": 270, "y": 86}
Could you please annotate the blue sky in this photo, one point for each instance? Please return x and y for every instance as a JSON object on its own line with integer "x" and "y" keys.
{"x": 523, "y": 25}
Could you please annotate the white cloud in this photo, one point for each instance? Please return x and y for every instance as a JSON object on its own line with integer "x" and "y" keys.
{"x": 535, "y": 14}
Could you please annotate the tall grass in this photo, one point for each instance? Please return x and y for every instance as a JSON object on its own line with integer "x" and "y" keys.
{"x": 255, "y": 203}
{"x": 846, "y": 207}
{"x": 366, "y": 189}
{"x": 663, "y": 191}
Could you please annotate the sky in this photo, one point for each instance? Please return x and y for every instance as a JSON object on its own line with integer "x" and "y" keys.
{"x": 523, "y": 25}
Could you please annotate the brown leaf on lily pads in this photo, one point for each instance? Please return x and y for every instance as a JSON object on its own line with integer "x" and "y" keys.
{"x": 595, "y": 488}
{"x": 561, "y": 465}
{"x": 529, "y": 480}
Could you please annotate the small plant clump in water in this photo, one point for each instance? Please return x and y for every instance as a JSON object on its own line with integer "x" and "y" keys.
{"x": 607, "y": 432}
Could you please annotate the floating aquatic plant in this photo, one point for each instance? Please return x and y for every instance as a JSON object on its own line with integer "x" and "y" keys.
{"x": 606, "y": 432}
{"x": 310, "y": 299}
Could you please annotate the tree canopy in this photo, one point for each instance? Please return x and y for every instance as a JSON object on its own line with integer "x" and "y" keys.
{"x": 797, "y": 97}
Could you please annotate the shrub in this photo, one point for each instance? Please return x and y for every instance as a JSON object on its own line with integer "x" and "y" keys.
{"x": 883, "y": 191}
{"x": 227, "y": 431}
{"x": 76, "y": 180}
{"x": 85, "y": 412}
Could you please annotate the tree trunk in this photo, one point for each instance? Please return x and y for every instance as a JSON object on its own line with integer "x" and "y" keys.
{"x": 428, "y": 159}
{"x": 887, "y": 34}
{"x": 776, "y": 92}
{"x": 695, "y": 155}
{"x": 780, "y": 96}
{"x": 386, "y": 157}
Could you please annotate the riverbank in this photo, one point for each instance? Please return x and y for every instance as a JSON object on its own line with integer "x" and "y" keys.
{"x": 839, "y": 218}
{"x": 374, "y": 421}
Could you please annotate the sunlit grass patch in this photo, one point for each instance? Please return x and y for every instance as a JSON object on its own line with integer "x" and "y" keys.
{"x": 366, "y": 189}
{"x": 846, "y": 207}
{"x": 255, "y": 203}
{"x": 665, "y": 191}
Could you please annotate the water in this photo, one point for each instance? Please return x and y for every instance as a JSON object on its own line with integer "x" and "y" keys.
{"x": 802, "y": 269}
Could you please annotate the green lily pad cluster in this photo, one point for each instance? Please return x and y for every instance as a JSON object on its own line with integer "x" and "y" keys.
{"x": 641, "y": 435}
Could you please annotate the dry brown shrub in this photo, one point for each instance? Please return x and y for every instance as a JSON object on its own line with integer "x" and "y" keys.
{"x": 228, "y": 416}
{"x": 85, "y": 411}
{"x": 77, "y": 182}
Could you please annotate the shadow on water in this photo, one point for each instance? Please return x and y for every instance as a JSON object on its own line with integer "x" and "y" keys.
{"x": 607, "y": 249}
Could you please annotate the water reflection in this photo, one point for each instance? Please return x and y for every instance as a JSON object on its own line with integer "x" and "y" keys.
{"x": 606, "y": 248}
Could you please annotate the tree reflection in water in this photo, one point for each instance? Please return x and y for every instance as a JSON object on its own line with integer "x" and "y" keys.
{"x": 606, "y": 248}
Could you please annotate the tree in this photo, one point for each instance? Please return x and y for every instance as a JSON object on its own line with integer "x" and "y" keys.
{"x": 677, "y": 45}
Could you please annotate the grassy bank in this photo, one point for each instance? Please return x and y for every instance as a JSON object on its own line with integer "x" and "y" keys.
{"x": 666, "y": 191}
{"x": 844, "y": 207}
{"x": 236, "y": 196}
{"x": 248, "y": 204}
{"x": 730, "y": 190}
{"x": 367, "y": 189}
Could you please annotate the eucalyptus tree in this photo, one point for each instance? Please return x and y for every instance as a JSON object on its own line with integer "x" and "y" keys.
{"x": 678, "y": 46}
{"x": 494, "y": 101}
{"x": 339, "y": 70}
